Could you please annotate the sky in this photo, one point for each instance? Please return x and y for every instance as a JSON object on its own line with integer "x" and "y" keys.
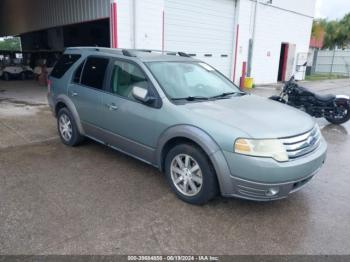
{"x": 332, "y": 9}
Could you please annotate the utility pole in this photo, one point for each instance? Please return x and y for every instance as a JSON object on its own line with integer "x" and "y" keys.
{"x": 252, "y": 41}
{"x": 331, "y": 71}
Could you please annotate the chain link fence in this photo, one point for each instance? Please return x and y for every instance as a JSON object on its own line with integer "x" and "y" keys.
{"x": 329, "y": 64}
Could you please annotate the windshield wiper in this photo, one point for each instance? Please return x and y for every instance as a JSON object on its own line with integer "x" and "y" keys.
{"x": 191, "y": 98}
{"x": 194, "y": 98}
{"x": 226, "y": 94}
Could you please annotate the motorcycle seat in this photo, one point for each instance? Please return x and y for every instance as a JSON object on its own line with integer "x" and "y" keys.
{"x": 325, "y": 98}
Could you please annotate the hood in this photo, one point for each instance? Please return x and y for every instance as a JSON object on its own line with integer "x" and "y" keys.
{"x": 257, "y": 116}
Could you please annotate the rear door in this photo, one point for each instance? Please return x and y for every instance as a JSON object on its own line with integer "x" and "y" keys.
{"x": 86, "y": 88}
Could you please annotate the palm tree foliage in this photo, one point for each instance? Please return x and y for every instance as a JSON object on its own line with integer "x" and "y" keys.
{"x": 336, "y": 32}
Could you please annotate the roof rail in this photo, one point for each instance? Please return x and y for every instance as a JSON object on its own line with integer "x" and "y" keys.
{"x": 151, "y": 50}
{"x": 128, "y": 53}
{"x": 97, "y": 49}
{"x": 183, "y": 54}
{"x": 92, "y": 48}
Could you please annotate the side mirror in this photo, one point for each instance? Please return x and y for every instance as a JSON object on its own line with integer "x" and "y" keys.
{"x": 141, "y": 94}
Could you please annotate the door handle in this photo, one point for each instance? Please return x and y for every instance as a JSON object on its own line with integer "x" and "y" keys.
{"x": 73, "y": 93}
{"x": 112, "y": 107}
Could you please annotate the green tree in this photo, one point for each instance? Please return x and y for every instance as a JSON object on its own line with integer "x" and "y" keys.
{"x": 344, "y": 32}
{"x": 331, "y": 38}
{"x": 318, "y": 28}
{"x": 10, "y": 44}
{"x": 336, "y": 32}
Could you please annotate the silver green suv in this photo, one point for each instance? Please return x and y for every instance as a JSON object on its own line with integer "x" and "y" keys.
{"x": 182, "y": 116}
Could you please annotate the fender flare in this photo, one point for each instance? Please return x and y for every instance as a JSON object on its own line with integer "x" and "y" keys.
{"x": 208, "y": 145}
{"x": 342, "y": 99}
{"x": 193, "y": 133}
{"x": 71, "y": 107}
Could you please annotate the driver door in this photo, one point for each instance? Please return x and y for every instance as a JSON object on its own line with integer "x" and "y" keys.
{"x": 130, "y": 124}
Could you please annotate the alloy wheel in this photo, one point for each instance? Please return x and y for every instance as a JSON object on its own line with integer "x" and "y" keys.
{"x": 65, "y": 127}
{"x": 186, "y": 174}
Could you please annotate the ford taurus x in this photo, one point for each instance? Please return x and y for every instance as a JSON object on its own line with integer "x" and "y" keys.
{"x": 184, "y": 117}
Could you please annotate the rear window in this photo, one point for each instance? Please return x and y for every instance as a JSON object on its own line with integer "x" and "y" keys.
{"x": 62, "y": 66}
{"x": 94, "y": 72}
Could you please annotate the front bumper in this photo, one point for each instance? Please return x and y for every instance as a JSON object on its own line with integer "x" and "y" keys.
{"x": 264, "y": 179}
{"x": 266, "y": 192}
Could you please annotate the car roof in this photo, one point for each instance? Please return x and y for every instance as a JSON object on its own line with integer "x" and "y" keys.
{"x": 144, "y": 55}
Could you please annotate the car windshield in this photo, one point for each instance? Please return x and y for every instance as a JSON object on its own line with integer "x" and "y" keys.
{"x": 196, "y": 80}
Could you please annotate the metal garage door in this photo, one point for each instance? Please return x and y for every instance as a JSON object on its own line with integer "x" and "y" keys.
{"x": 201, "y": 27}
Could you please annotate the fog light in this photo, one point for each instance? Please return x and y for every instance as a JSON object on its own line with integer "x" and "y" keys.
{"x": 272, "y": 191}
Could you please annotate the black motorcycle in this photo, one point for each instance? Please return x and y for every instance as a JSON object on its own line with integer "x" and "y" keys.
{"x": 335, "y": 108}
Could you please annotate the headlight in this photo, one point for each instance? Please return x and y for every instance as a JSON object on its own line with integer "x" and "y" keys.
{"x": 262, "y": 148}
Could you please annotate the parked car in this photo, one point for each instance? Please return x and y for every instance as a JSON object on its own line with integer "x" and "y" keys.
{"x": 12, "y": 67}
{"x": 184, "y": 117}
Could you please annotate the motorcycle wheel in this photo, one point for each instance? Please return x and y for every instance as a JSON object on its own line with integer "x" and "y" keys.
{"x": 6, "y": 76}
{"x": 338, "y": 119}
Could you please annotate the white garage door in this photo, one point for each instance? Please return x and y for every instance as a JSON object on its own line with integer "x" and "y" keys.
{"x": 204, "y": 28}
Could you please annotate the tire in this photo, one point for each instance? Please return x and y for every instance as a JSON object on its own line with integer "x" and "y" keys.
{"x": 67, "y": 128}
{"x": 23, "y": 76}
{"x": 202, "y": 192}
{"x": 6, "y": 76}
{"x": 339, "y": 121}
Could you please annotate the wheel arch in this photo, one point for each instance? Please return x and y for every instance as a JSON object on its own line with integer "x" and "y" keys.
{"x": 64, "y": 101}
{"x": 184, "y": 134}
{"x": 197, "y": 136}
{"x": 342, "y": 100}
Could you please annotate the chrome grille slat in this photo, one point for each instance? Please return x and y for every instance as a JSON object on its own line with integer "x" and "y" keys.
{"x": 304, "y": 151}
{"x": 300, "y": 138}
{"x": 297, "y": 146}
{"x": 303, "y": 144}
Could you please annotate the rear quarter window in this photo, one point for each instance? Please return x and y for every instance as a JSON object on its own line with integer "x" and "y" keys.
{"x": 94, "y": 72}
{"x": 63, "y": 65}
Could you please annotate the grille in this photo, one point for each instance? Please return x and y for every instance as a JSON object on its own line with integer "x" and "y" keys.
{"x": 301, "y": 145}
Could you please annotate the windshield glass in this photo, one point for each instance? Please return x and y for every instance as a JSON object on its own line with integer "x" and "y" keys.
{"x": 190, "y": 79}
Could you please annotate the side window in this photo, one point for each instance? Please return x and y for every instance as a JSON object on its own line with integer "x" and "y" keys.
{"x": 94, "y": 72}
{"x": 124, "y": 77}
{"x": 77, "y": 73}
{"x": 63, "y": 64}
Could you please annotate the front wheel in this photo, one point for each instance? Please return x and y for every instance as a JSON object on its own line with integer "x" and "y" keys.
{"x": 340, "y": 115}
{"x": 190, "y": 174}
